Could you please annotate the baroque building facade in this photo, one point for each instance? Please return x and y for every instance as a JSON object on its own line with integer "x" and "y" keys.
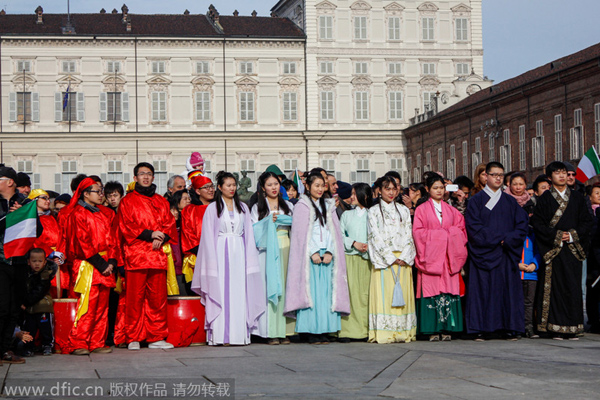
{"x": 319, "y": 83}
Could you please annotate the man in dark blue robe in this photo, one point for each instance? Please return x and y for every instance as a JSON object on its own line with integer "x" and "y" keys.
{"x": 496, "y": 226}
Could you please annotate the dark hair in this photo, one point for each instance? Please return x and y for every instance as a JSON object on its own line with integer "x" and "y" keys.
{"x": 310, "y": 179}
{"x": 263, "y": 207}
{"x": 36, "y": 250}
{"x": 419, "y": 187}
{"x": 176, "y": 198}
{"x": 364, "y": 194}
{"x": 76, "y": 181}
{"x": 555, "y": 166}
{"x": 142, "y": 165}
{"x": 317, "y": 170}
{"x": 384, "y": 181}
{"x": 507, "y": 176}
{"x": 426, "y": 175}
{"x": 433, "y": 179}
{"x": 493, "y": 164}
{"x": 541, "y": 178}
{"x": 515, "y": 175}
{"x": 464, "y": 181}
{"x": 395, "y": 175}
{"x": 288, "y": 183}
{"x": 221, "y": 176}
{"x": 113, "y": 186}
{"x": 96, "y": 179}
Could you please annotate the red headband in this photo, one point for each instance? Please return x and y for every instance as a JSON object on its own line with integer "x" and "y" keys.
{"x": 200, "y": 180}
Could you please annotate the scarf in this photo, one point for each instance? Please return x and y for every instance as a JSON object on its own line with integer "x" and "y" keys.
{"x": 145, "y": 191}
{"x": 522, "y": 199}
{"x": 87, "y": 206}
{"x": 494, "y": 197}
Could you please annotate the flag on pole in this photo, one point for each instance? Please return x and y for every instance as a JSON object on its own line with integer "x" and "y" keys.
{"x": 298, "y": 182}
{"x": 66, "y": 97}
{"x": 589, "y": 166}
{"x": 21, "y": 230}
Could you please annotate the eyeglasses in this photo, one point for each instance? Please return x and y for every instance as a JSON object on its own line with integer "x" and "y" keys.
{"x": 44, "y": 197}
{"x": 145, "y": 174}
{"x": 571, "y": 174}
{"x": 208, "y": 187}
{"x": 496, "y": 176}
{"x": 96, "y": 191}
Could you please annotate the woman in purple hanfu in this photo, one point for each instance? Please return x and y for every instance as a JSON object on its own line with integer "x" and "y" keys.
{"x": 227, "y": 273}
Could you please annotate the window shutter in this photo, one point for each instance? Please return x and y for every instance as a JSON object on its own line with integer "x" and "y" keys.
{"x": 103, "y": 113}
{"x": 35, "y": 107}
{"x": 338, "y": 176}
{"x": 80, "y": 107}
{"x": 126, "y": 178}
{"x": 534, "y": 152}
{"x": 57, "y": 183}
{"x": 104, "y": 178}
{"x": 37, "y": 181}
{"x": 58, "y": 106}
{"x": 373, "y": 176}
{"x": 353, "y": 177}
{"x": 12, "y": 107}
{"x": 125, "y": 106}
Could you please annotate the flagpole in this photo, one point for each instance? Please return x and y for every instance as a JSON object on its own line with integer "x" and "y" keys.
{"x": 69, "y": 101}
{"x": 24, "y": 109}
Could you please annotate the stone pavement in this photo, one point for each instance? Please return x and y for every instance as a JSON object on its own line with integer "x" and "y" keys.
{"x": 461, "y": 369}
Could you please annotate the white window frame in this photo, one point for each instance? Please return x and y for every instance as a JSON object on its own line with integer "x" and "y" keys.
{"x": 463, "y": 69}
{"x": 461, "y": 30}
{"x": 395, "y": 68}
{"x": 122, "y": 104}
{"x": 440, "y": 155}
{"x": 68, "y": 66}
{"x": 361, "y": 67}
{"x": 290, "y": 106}
{"x": 360, "y": 27}
{"x": 247, "y": 102}
{"x": 558, "y": 148}
{"x": 24, "y": 66}
{"x": 161, "y": 175}
{"x": 290, "y": 165}
{"x": 246, "y": 67}
{"x": 202, "y": 67}
{"x": 68, "y": 172}
{"x": 428, "y": 29}
{"x": 465, "y": 158}
{"x": 538, "y": 148}
{"x": 577, "y": 135}
{"x": 522, "y": 148}
{"x": 395, "y": 105}
{"x": 393, "y": 28}
{"x": 326, "y": 67}
{"x": 158, "y": 106}
{"x": 427, "y": 99}
{"x": 202, "y": 106}
{"x": 428, "y": 68}
{"x": 325, "y": 27}
{"x": 327, "y": 103}
{"x": 289, "y": 68}
{"x": 113, "y": 67}
{"x": 361, "y": 106}
{"x": 159, "y": 67}
{"x": 505, "y": 151}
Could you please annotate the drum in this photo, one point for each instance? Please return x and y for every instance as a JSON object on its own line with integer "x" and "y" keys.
{"x": 65, "y": 311}
{"x": 184, "y": 313}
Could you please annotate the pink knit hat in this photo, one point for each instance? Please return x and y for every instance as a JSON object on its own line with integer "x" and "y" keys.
{"x": 196, "y": 159}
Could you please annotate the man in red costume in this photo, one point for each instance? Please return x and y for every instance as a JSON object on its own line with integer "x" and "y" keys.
{"x": 191, "y": 223}
{"x": 146, "y": 224}
{"x": 91, "y": 247}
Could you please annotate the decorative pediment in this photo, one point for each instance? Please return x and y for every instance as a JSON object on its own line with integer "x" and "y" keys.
{"x": 428, "y": 7}
{"x": 202, "y": 81}
{"x": 326, "y": 6}
{"x": 290, "y": 82}
{"x": 360, "y": 6}
{"x": 246, "y": 81}
{"x": 158, "y": 80}
{"x": 395, "y": 82}
{"x": 65, "y": 80}
{"x": 429, "y": 82}
{"x": 461, "y": 8}
{"x": 327, "y": 81}
{"x": 393, "y": 7}
{"x": 361, "y": 81}
{"x": 473, "y": 89}
{"x": 20, "y": 79}
{"x": 112, "y": 79}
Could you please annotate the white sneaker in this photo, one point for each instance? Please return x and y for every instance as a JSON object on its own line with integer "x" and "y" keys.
{"x": 161, "y": 344}
{"x": 133, "y": 346}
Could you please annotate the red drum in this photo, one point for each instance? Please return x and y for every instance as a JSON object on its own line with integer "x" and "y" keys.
{"x": 184, "y": 315}
{"x": 65, "y": 311}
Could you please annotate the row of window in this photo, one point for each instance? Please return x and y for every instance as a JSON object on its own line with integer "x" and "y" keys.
{"x": 538, "y": 148}
{"x": 360, "y": 28}
{"x": 114, "y": 106}
{"x": 115, "y": 171}
{"x": 394, "y": 68}
{"x": 159, "y": 67}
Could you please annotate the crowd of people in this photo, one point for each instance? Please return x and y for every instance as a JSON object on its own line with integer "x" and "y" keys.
{"x": 326, "y": 261}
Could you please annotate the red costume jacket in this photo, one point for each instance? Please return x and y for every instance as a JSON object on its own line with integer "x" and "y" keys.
{"x": 139, "y": 216}
{"x": 52, "y": 238}
{"x": 191, "y": 227}
{"x": 89, "y": 233}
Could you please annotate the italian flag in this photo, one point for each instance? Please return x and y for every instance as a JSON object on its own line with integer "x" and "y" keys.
{"x": 21, "y": 230}
{"x": 298, "y": 182}
{"x": 589, "y": 166}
